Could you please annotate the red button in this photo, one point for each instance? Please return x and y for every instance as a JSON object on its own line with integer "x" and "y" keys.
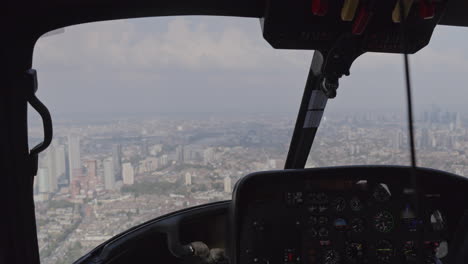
{"x": 426, "y": 9}
{"x": 319, "y": 7}
{"x": 361, "y": 21}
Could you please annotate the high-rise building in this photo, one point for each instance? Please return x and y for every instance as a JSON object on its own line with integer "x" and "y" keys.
{"x": 55, "y": 162}
{"x": 458, "y": 122}
{"x": 117, "y": 159}
{"x": 43, "y": 180}
{"x": 227, "y": 184}
{"x": 74, "y": 157}
{"x": 144, "y": 148}
{"x": 188, "y": 178}
{"x": 163, "y": 160}
{"x": 399, "y": 140}
{"x": 52, "y": 168}
{"x": 180, "y": 154}
{"x": 128, "y": 173}
{"x": 208, "y": 155}
{"x": 425, "y": 139}
{"x": 60, "y": 161}
{"x": 109, "y": 176}
{"x": 91, "y": 173}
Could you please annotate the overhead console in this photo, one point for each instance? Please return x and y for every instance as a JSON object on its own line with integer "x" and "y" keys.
{"x": 372, "y": 25}
{"x": 345, "y": 215}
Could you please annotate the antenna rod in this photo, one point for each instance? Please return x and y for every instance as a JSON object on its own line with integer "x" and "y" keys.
{"x": 409, "y": 103}
{"x": 410, "y": 110}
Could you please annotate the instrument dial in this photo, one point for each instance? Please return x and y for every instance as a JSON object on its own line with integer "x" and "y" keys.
{"x": 355, "y": 204}
{"x": 381, "y": 193}
{"x": 354, "y": 252}
{"x": 339, "y": 204}
{"x": 384, "y": 252}
{"x": 409, "y": 252}
{"x": 357, "y": 225}
{"x": 384, "y": 222}
{"x": 331, "y": 256}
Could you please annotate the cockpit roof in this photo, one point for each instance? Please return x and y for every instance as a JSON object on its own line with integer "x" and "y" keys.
{"x": 39, "y": 17}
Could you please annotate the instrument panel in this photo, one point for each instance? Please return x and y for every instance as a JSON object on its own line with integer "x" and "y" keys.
{"x": 341, "y": 215}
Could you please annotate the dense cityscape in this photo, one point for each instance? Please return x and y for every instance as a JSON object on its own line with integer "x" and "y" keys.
{"x": 100, "y": 178}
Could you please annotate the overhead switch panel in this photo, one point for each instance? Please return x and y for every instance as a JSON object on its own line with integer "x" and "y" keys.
{"x": 375, "y": 24}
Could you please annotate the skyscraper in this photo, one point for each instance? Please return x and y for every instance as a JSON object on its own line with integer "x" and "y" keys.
{"x": 180, "y": 154}
{"x": 74, "y": 157}
{"x": 458, "y": 122}
{"x": 109, "y": 176}
{"x": 188, "y": 178}
{"x": 55, "y": 160}
{"x": 128, "y": 174}
{"x": 52, "y": 168}
{"x": 60, "y": 162}
{"x": 91, "y": 172}
{"x": 144, "y": 147}
{"x": 43, "y": 180}
{"x": 425, "y": 139}
{"x": 117, "y": 159}
{"x": 227, "y": 184}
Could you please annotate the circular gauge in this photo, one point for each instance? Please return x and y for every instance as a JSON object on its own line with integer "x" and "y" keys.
{"x": 383, "y": 221}
{"x": 339, "y": 204}
{"x": 409, "y": 252}
{"x": 384, "y": 251}
{"x": 354, "y": 252}
{"x": 381, "y": 193}
{"x": 331, "y": 256}
{"x": 355, "y": 204}
{"x": 357, "y": 225}
{"x": 340, "y": 224}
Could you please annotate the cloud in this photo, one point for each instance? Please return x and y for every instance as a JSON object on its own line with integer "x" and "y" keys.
{"x": 183, "y": 44}
{"x": 214, "y": 62}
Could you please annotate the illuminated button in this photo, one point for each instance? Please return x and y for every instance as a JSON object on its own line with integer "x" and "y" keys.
{"x": 349, "y": 10}
{"x": 323, "y": 220}
{"x": 361, "y": 21}
{"x": 319, "y": 7}
{"x": 426, "y": 9}
{"x": 406, "y": 8}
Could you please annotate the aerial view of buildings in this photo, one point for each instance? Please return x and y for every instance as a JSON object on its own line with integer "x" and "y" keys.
{"x": 99, "y": 178}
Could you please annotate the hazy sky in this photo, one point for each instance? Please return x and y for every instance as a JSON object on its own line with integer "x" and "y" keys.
{"x": 199, "y": 64}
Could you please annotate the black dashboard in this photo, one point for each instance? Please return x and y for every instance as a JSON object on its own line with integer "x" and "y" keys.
{"x": 346, "y": 215}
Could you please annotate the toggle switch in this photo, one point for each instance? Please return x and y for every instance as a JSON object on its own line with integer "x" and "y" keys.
{"x": 319, "y": 7}
{"x": 406, "y": 8}
{"x": 360, "y": 23}
{"x": 426, "y": 9}
{"x": 349, "y": 10}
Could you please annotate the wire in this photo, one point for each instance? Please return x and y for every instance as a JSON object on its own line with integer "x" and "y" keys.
{"x": 409, "y": 101}
{"x": 410, "y": 110}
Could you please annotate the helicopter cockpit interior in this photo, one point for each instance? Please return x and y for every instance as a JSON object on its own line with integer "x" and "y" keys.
{"x": 349, "y": 214}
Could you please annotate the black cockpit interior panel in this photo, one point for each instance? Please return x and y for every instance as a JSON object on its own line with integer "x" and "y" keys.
{"x": 346, "y": 215}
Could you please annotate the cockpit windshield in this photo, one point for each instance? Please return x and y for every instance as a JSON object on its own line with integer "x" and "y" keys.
{"x": 158, "y": 114}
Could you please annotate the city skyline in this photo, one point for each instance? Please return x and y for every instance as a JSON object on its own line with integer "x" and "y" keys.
{"x": 171, "y": 163}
